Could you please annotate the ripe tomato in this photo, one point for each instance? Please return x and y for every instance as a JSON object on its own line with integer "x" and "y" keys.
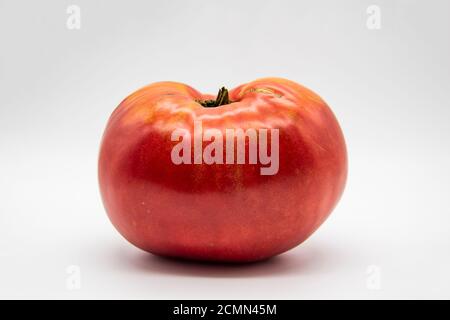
{"x": 171, "y": 195}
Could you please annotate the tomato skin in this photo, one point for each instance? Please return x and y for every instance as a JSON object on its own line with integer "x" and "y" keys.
{"x": 221, "y": 212}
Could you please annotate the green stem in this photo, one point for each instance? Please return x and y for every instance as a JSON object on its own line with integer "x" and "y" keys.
{"x": 222, "y": 99}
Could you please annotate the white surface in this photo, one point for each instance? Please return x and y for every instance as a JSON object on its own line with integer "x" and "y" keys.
{"x": 389, "y": 89}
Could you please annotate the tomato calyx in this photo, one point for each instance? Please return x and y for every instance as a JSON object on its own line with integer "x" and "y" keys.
{"x": 222, "y": 99}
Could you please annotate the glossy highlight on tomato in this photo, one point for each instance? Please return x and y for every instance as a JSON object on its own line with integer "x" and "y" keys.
{"x": 221, "y": 212}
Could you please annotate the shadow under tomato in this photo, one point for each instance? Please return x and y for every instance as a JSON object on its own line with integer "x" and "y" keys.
{"x": 299, "y": 261}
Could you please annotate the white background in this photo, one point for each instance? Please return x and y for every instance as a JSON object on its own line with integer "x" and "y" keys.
{"x": 390, "y": 89}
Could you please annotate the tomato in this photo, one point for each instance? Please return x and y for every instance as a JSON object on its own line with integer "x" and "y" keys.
{"x": 220, "y": 199}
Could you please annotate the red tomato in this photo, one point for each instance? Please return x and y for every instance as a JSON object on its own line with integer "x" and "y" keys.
{"x": 172, "y": 196}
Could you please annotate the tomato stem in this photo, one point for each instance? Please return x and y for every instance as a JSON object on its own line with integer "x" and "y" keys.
{"x": 222, "y": 99}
